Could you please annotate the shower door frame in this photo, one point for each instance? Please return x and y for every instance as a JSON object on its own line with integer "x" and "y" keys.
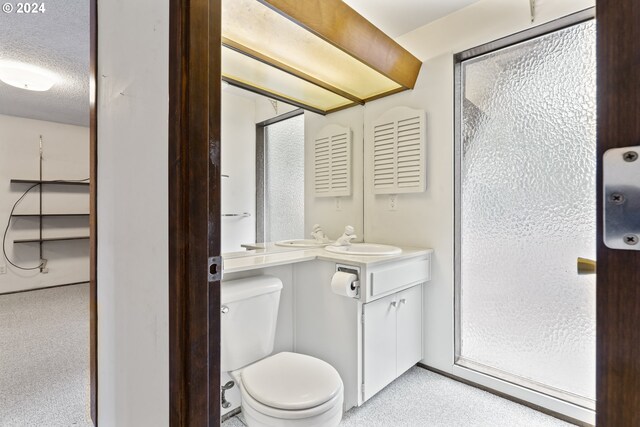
{"x": 531, "y": 396}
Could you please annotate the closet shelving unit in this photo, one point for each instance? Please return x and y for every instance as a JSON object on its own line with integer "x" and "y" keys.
{"x": 41, "y": 183}
{"x": 41, "y": 215}
{"x": 41, "y": 240}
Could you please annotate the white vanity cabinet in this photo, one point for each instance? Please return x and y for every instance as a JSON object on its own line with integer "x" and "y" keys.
{"x": 372, "y": 339}
{"x": 391, "y": 338}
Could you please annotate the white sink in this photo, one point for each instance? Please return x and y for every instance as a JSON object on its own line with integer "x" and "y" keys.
{"x": 301, "y": 243}
{"x": 365, "y": 249}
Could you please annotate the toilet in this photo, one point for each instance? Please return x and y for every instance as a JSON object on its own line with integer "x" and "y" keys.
{"x": 281, "y": 390}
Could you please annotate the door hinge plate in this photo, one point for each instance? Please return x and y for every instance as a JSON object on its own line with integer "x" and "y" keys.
{"x": 621, "y": 193}
{"x": 215, "y": 269}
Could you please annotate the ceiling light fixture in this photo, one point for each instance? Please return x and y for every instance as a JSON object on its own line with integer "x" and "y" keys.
{"x": 26, "y": 76}
{"x": 320, "y": 55}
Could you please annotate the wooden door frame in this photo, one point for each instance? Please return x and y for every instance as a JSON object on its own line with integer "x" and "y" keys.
{"x": 618, "y": 279}
{"x": 194, "y": 212}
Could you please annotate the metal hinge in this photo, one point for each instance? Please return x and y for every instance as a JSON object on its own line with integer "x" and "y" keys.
{"x": 362, "y": 389}
{"x": 621, "y": 182}
{"x": 215, "y": 269}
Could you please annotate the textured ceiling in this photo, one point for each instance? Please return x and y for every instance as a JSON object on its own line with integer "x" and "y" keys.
{"x": 398, "y": 17}
{"x": 57, "y": 40}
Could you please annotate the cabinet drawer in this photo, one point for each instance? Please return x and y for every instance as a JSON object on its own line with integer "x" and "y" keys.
{"x": 399, "y": 275}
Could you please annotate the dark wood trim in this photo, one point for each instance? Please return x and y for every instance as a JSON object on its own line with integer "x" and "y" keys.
{"x": 618, "y": 279}
{"x": 337, "y": 23}
{"x": 62, "y": 285}
{"x": 194, "y": 212}
{"x": 258, "y": 56}
{"x": 507, "y": 396}
{"x": 93, "y": 209}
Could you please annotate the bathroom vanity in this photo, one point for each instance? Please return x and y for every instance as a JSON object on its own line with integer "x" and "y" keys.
{"x": 372, "y": 338}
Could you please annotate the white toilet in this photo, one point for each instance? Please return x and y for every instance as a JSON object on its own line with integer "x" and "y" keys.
{"x": 281, "y": 390}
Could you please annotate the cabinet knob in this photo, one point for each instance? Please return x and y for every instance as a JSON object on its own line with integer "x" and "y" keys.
{"x": 403, "y": 301}
{"x": 224, "y": 309}
{"x": 394, "y": 303}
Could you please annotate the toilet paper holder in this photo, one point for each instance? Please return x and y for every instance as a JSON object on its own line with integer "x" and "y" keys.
{"x": 352, "y": 270}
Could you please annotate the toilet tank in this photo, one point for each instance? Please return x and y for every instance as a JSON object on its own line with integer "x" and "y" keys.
{"x": 248, "y": 320}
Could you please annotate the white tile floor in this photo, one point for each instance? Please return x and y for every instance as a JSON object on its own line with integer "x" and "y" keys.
{"x": 44, "y": 358}
{"x": 421, "y": 398}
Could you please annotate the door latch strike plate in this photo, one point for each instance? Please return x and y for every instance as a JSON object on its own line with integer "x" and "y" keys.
{"x": 621, "y": 198}
{"x": 215, "y": 269}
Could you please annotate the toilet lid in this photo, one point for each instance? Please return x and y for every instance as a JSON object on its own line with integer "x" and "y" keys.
{"x": 291, "y": 381}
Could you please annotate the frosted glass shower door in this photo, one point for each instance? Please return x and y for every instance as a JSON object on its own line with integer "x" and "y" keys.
{"x": 526, "y": 212}
{"x": 284, "y": 180}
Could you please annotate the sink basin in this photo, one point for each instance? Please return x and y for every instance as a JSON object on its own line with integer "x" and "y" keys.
{"x": 301, "y": 243}
{"x": 364, "y": 249}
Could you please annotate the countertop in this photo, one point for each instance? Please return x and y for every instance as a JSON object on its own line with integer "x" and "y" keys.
{"x": 271, "y": 255}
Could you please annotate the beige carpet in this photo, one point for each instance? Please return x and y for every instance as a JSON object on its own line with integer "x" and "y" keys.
{"x": 44, "y": 358}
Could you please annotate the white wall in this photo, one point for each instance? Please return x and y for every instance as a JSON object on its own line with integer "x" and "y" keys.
{"x": 423, "y": 219}
{"x": 330, "y": 213}
{"x": 239, "y": 162}
{"x": 482, "y": 22}
{"x": 133, "y": 311}
{"x": 66, "y": 156}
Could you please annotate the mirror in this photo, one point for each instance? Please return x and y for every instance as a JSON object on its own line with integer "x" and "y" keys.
{"x": 267, "y": 167}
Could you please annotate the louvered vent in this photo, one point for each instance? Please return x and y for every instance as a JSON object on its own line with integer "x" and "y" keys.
{"x": 332, "y": 162}
{"x": 399, "y": 152}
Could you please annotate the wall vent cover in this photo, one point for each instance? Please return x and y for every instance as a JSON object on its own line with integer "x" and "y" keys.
{"x": 399, "y": 158}
{"x": 332, "y": 162}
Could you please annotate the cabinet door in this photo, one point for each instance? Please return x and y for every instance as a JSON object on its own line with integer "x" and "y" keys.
{"x": 409, "y": 328}
{"x": 379, "y": 344}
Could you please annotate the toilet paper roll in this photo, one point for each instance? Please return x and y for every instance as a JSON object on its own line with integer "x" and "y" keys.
{"x": 344, "y": 284}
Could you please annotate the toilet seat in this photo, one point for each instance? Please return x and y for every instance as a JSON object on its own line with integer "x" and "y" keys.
{"x": 291, "y": 382}
{"x": 254, "y": 409}
{"x": 288, "y": 380}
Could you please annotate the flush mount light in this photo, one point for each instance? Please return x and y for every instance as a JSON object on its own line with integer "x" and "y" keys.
{"x": 317, "y": 54}
{"x": 26, "y": 76}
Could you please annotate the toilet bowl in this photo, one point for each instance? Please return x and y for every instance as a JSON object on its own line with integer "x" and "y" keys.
{"x": 282, "y": 390}
{"x": 290, "y": 389}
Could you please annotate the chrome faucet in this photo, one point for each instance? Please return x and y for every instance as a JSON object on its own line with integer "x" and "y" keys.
{"x": 318, "y": 235}
{"x": 347, "y": 237}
